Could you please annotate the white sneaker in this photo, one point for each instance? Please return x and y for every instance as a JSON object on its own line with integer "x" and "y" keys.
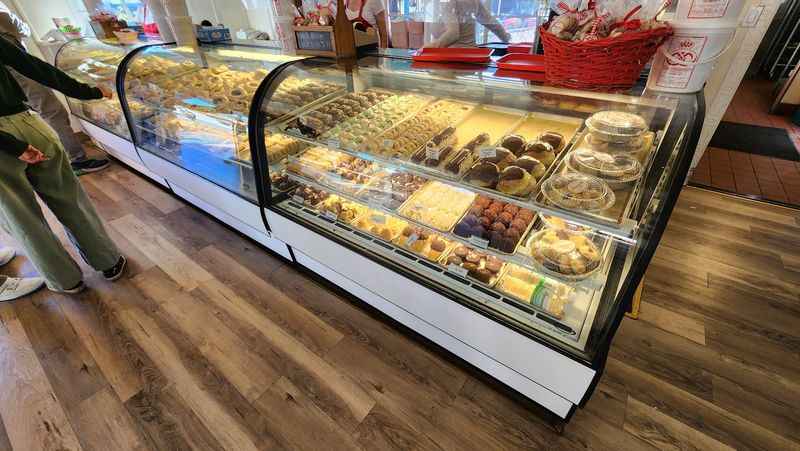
{"x": 6, "y": 255}
{"x": 15, "y": 287}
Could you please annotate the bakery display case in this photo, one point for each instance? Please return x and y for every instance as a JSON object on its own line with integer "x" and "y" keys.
{"x": 509, "y": 223}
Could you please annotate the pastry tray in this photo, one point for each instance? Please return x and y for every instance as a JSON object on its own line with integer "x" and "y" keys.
{"x": 381, "y": 137}
{"x": 569, "y": 278}
{"x": 529, "y": 130}
{"x": 522, "y": 238}
{"x": 401, "y": 208}
{"x": 491, "y": 284}
{"x": 449, "y": 246}
{"x": 526, "y": 304}
{"x": 282, "y": 126}
{"x": 427, "y": 100}
{"x": 472, "y": 116}
{"x": 298, "y": 109}
{"x": 370, "y": 211}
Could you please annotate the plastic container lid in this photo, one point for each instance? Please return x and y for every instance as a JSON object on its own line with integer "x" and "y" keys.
{"x": 554, "y": 222}
{"x": 613, "y": 168}
{"x": 616, "y": 126}
{"x": 578, "y": 191}
{"x": 570, "y": 256}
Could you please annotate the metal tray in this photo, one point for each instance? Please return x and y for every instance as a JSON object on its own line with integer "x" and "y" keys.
{"x": 491, "y": 284}
{"x": 476, "y": 111}
{"x": 382, "y": 136}
{"x": 416, "y": 193}
{"x": 449, "y": 246}
{"x": 522, "y": 124}
{"x": 522, "y": 238}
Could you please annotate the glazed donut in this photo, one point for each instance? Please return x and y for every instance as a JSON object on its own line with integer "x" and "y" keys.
{"x": 236, "y": 93}
{"x": 219, "y": 69}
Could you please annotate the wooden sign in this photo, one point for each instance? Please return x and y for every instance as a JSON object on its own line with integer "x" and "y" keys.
{"x": 317, "y": 40}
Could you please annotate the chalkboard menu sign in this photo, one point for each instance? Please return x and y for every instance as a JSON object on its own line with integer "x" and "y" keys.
{"x": 315, "y": 40}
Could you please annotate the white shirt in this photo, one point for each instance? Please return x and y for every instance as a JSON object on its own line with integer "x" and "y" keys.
{"x": 371, "y": 10}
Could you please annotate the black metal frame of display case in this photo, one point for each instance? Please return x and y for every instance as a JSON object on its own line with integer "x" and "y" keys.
{"x": 683, "y": 127}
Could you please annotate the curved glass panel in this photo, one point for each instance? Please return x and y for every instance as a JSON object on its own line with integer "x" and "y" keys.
{"x": 95, "y": 62}
{"x": 190, "y": 106}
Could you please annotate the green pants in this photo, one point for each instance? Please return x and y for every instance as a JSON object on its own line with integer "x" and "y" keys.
{"x": 59, "y": 189}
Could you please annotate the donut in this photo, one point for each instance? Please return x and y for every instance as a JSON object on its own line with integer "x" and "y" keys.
{"x": 236, "y": 93}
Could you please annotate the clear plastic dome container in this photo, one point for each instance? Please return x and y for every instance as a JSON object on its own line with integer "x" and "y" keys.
{"x": 565, "y": 255}
{"x": 576, "y": 191}
{"x": 613, "y": 168}
{"x": 616, "y": 126}
{"x": 554, "y": 222}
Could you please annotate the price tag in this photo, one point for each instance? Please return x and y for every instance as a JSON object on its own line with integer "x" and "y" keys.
{"x": 378, "y": 219}
{"x": 477, "y": 241}
{"x": 487, "y": 152}
{"x": 455, "y": 269}
{"x": 299, "y": 199}
{"x": 388, "y": 143}
{"x": 334, "y": 143}
{"x": 330, "y": 215}
{"x": 412, "y": 239}
{"x": 432, "y": 153}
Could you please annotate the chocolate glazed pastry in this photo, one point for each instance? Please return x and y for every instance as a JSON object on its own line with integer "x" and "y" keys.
{"x": 502, "y": 157}
{"x": 514, "y": 143}
{"x": 433, "y": 162}
{"x": 479, "y": 140}
{"x": 515, "y": 181}
{"x": 556, "y": 140}
{"x": 483, "y": 174}
{"x": 540, "y": 150}
{"x": 534, "y": 167}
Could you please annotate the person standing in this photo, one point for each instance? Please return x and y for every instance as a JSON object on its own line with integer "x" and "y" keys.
{"x": 45, "y": 102}
{"x": 366, "y": 14}
{"x": 459, "y": 18}
{"x": 33, "y": 162}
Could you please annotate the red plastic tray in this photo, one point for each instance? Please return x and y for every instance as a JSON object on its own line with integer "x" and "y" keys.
{"x": 453, "y": 54}
{"x": 521, "y": 61}
{"x": 519, "y": 48}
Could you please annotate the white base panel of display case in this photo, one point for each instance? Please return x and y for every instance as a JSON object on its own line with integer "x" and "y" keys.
{"x": 218, "y": 202}
{"x": 121, "y": 149}
{"x": 540, "y": 373}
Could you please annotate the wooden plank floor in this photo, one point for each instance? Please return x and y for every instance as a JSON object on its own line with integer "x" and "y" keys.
{"x": 211, "y": 343}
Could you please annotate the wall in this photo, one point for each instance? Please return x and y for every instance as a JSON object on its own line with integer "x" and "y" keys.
{"x": 729, "y": 71}
{"x": 40, "y": 18}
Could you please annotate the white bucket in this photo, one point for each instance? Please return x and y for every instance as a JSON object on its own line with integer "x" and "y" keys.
{"x": 684, "y": 62}
{"x": 705, "y": 13}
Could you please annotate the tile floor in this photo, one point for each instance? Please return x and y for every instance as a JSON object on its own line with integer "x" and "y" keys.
{"x": 753, "y": 175}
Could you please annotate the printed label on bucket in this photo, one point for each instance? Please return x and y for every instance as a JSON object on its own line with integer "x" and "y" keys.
{"x": 708, "y": 9}
{"x": 681, "y": 48}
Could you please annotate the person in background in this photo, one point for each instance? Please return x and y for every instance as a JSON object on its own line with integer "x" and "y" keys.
{"x": 459, "y": 18}
{"x": 45, "y": 102}
{"x": 366, "y": 14}
{"x": 33, "y": 162}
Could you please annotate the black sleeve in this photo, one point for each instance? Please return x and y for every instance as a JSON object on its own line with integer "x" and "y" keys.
{"x": 10, "y": 144}
{"x": 44, "y": 73}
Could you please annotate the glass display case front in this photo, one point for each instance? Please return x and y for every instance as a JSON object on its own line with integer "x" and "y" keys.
{"x": 190, "y": 106}
{"x": 95, "y": 62}
{"x": 528, "y": 204}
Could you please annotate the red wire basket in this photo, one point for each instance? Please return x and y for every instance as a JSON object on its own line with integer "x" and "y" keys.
{"x": 607, "y": 65}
